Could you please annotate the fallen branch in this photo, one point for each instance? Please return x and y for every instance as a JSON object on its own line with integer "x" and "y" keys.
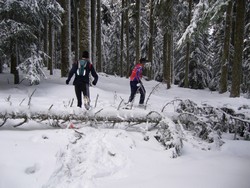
{"x": 171, "y": 102}
{"x": 21, "y": 123}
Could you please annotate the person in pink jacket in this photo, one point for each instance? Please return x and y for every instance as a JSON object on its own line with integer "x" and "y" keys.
{"x": 136, "y": 83}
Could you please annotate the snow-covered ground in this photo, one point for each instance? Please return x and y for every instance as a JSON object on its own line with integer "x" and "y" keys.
{"x": 101, "y": 156}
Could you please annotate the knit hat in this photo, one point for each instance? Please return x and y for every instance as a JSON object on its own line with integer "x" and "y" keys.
{"x": 143, "y": 60}
{"x": 85, "y": 54}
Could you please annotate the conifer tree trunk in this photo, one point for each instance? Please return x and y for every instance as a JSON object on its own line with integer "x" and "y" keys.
{"x": 164, "y": 57}
{"x": 65, "y": 38}
{"x": 99, "y": 37}
{"x": 167, "y": 59}
{"x": 138, "y": 30}
{"x": 45, "y": 44}
{"x": 226, "y": 48}
{"x": 122, "y": 39}
{"x": 186, "y": 81}
{"x": 14, "y": 65}
{"x": 167, "y": 42}
{"x": 238, "y": 48}
{"x": 84, "y": 26}
{"x": 127, "y": 38}
{"x": 51, "y": 47}
{"x": 93, "y": 30}
{"x": 151, "y": 38}
{"x": 12, "y": 61}
{"x": 1, "y": 66}
{"x": 76, "y": 31}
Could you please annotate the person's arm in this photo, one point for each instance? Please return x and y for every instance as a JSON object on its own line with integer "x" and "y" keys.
{"x": 94, "y": 74}
{"x": 71, "y": 72}
{"x": 139, "y": 74}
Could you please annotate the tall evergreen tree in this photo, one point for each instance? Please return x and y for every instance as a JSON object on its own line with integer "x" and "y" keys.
{"x": 226, "y": 48}
{"x": 127, "y": 39}
{"x": 20, "y": 31}
{"x": 76, "y": 4}
{"x": 246, "y": 55}
{"x": 51, "y": 47}
{"x": 122, "y": 39}
{"x": 186, "y": 82}
{"x": 99, "y": 37}
{"x": 138, "y": 30}
{"x": 84, "y": 26}
{"x": 93, "y": 30}
{"x": 65, "y": 38}
{"x": 151, "y": 38}
{"x": 238, "y": 48}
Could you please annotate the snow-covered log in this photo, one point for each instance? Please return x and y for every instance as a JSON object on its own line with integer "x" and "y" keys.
{"x": 84, "y": 116}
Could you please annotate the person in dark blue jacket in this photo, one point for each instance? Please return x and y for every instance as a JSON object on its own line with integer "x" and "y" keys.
{"x": 81, "y": 69}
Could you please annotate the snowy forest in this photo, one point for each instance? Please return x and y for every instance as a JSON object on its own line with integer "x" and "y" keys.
{"x": 194, "y": 125}
{"x": 191, "y": 43}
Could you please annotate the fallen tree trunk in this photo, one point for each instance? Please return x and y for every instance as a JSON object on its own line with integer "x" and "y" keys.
{"x": 86, "y": 116}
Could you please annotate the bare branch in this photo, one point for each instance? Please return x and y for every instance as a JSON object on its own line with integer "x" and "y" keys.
{"x": 97, "y": 96}
{"x": 120, "y": 104}
{"x": 4, "y": 121}
{"x": 72, "y": 102}
{"x": 152, "y": 91}
{"x": 171, "y": 102}
{"x": 31, "y": 97}
{"x": 24, "y": 121}
{"x": 21, "y": 102}
{"x": 50, "y": 107}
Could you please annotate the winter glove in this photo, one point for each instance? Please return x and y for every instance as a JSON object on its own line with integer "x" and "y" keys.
{"x": 94, "y": 82}
{"x": 138, "y": 85}
{"x": 67, "y": 82}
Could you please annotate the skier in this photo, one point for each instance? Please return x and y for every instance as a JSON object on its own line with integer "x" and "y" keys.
{"x": 81, "y": 69}
{"x": 136, "y": 83}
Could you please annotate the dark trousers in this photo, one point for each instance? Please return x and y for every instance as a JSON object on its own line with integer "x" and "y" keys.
{"x": 79, "y": 90}
{"x": 134, "y": 88}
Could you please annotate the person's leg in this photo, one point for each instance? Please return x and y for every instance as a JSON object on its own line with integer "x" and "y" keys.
{"x": 143, "y": 93}
{"x": 133, "y": 87}
{"x": 86, "y": 90}
{"x": 78, "y": 95}
{"x": 86, "y": 96}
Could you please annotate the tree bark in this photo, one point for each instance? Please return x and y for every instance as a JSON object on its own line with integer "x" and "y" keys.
{"x": 186, "y": 81}
{"x": 138, "y": 30}
{"x": 76, "y": 31}
{"x": 84, "y": 27}
{"x": 127, "y": 38}
{"x": 65, "y": 38}
{"x": 93, "y": 30}
{"x": 51, "y": 47}
{"x": 167, "y": 46}
{"x": 122, "y": 39}
{"x": 45, "y": 44}
{"x": 99, "y": 37}
{"x": 1, "y": 66}
{"x": 238, "y": 48}
{"x": 14, "y": 65}
{"x": 147, "y": 117}
{"x": 226, "y": 48}
{"x": 151, "y": 38}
